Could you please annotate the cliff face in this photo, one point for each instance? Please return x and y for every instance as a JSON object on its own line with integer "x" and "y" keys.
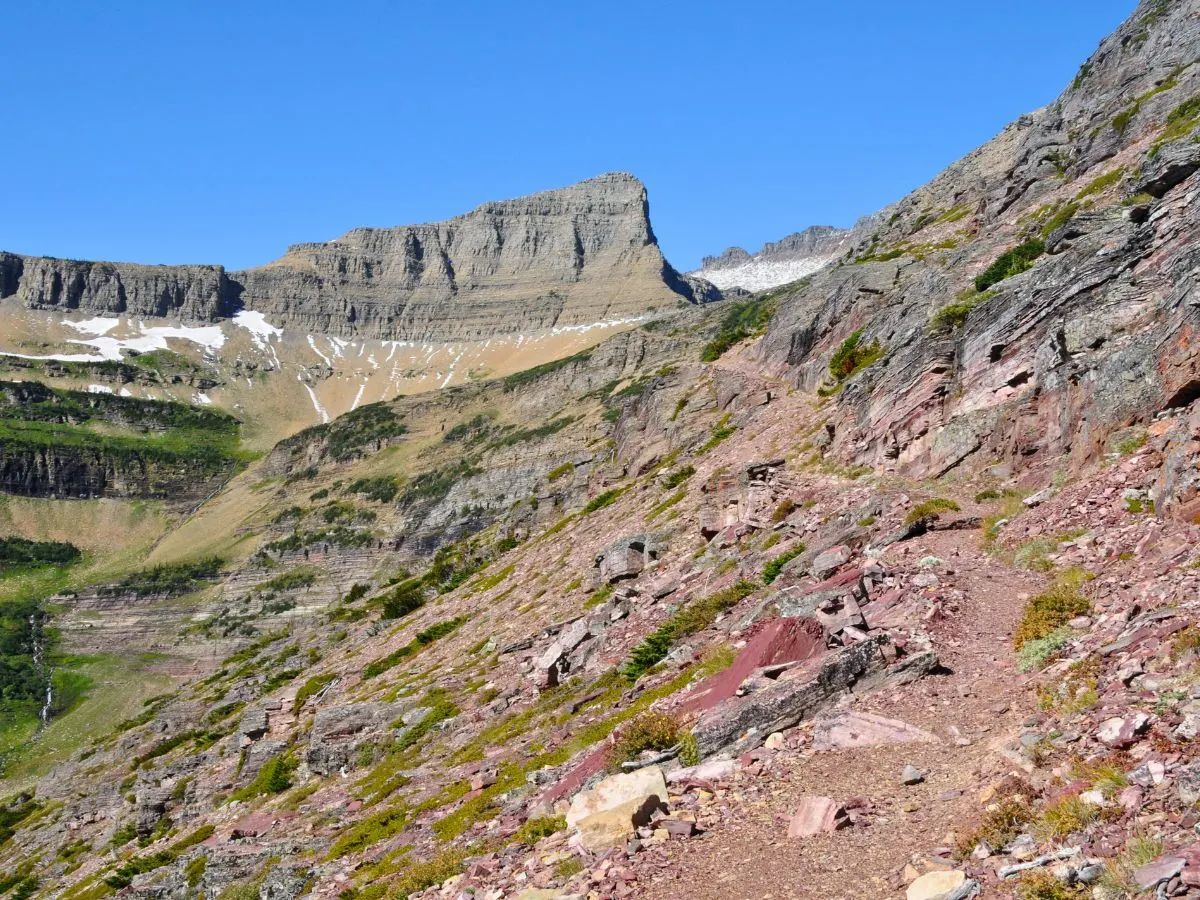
{"x": 564, "y": 258}
{"x": 1095, "y": 337}
{"x": 196, "y": 293}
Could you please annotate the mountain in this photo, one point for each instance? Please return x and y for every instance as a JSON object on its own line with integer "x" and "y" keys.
{"x": 562, "y": 258}
{"x": 881, "y": 582}
{"x": 796, "y": 256}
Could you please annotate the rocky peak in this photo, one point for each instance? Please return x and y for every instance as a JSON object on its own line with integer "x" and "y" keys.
{"x": 570, "y": 257}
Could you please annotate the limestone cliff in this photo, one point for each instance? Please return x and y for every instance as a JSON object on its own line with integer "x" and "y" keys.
{"x": 559, "y": 259}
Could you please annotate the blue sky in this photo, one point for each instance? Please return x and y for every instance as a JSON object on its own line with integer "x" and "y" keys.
{"x": 222, "y": 131}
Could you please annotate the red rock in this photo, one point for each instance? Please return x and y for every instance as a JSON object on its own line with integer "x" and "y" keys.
{"x": 816, "y": 815}
{"x": 253, "y": 825}
{"x": 778, "y": 641}
{"x": 1162, "y": 869}
{"x": 861, "y": 729}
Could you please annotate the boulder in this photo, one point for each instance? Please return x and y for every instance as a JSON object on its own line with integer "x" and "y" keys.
{"x": 936, "y": 885}
{"x": 607, "y": 815}
{"x": 849, "y": 729}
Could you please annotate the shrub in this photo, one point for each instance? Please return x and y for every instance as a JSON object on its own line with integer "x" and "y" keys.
{"x": 675, "y": 479}
{"x": 528, "y": 376}
{"x": 1035, "y": 653}
{"x": 1013, "y": 262}
{"x": 1000, "y": 826}
{"x": 382, "y": 489}
{"x": 651, "y": 730}
{"x": 852, "y": 357}
{"x": 1045, "y": 886}
{"x": 1049, "y": 611}
{"x": 774, "y": 567}
{"x": 786, "y": 507}
{"x": 930, "y": 509}
{"x": 694, "y": 617}
{"x": 17, "y": 551}
{"x": 742, "y": 319}
{"x": 173, "y": 578}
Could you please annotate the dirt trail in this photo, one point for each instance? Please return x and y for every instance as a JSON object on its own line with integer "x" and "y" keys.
{"x": 749, "y": 855}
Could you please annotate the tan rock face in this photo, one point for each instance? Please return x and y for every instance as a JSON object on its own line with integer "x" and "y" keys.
{"x": 935, "y": 885}
{"x": 606, "y": 815}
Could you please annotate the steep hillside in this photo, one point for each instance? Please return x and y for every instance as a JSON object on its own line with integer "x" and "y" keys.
{"x": 881, "y": 583}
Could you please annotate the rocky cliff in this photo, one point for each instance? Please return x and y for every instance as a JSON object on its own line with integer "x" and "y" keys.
{"x": 566, "y": 258}
{"x": 1036, "y": 298}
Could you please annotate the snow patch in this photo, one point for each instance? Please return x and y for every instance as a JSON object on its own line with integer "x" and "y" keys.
{"x": 99, "y": 389}
{"x": 97, "y": 326}
{"x": 757, "y": 274}
{"x": 261, "y": 331}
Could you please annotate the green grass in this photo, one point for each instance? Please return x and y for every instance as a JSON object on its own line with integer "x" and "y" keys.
{"x": 600, "y": 501}
{"x": 1050, "y": 610}
{"x": 1013, "y": 262}
{"x": 413, "y": 647}
{"x": 930, "y": 509}
{"x": 1180, "y": 121}
{"x": 773, "y": 569}
{"x": 1096, "y": 185}
{"x": 661, "y": 508}
{"x": 720, "y": 432}
{"x": 1059, "y": 218}
{"x": 310, "y": 688}
{"x": 274, "y": 777}
{"x": 954, "y": 316}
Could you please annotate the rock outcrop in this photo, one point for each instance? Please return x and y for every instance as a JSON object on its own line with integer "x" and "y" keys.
{"x": 566, "y": 258}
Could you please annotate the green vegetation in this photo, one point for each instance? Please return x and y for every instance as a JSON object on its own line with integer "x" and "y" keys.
{"x": 742, "y": 319}
{"x": 365, "y": 428}
{"x": 433, "y": 486}
{"x": 274, "y": 777}
{"x": 311, "y": 688}
{"x": 852, "y": 356}
{"x": 413, "y": 647}
{"x": 370, "y": 831}
{"x": 1096, "y": 185}
{"x": 772, "y": 569}
{"x": 130, "y": 869}
{"x": 954, "y": 315}
{"x": 930, "y": 509}
{"x": 381, "y": 488}
{"x": 1051, "y": 610}
{"x": 1036, "y": 652}
{"x": 170, "y": 579}
{"x": 675, "y": 479}
{"x": 1013, "y": 262}
{"x": 560, "y": 471}
{"x": 1058, "y": 219}
{"x": 1180, "y": 121}
{"x": 1000, "y": 826}
{"x": 652, "y": 730}
{"x": 661, "y": 508}
{"x": 520, "y": 379}
{"x": 600, "y": 501}
{"x": 690, "y": 619}
{"x": 19, "y": 553}
{"x": 536, "y": 829}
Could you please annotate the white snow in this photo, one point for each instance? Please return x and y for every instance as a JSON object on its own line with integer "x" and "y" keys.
{"x": 261, "y": 331}
{"x": 358, "y": 397}
{"x": 315, "y": 402}
{"x": 758, "y": 274}
{"x": 324, "y": 358}
{"x": 97, "y": 325}
{"x": 203, "y": 399}
{"x": 99, "y": 389}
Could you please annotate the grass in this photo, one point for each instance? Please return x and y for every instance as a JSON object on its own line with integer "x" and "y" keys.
{"x": 560, "y": 471}
{"x": 528, "y": 376}
{"x": 772, "y": 569}
{"x": 1050, "y": 610}
{"x": 1180, "y": 121}
{"x": 1000, "y": 825}
{"x": 413, "y": 647}
{"x": 1039, "y": 885}
{"x": 1097, "y": 185}
{"x": 675, "y": 479}
{"x": 274, "y": 777}
{"x": 721, "y": 431}
{"x": 600, "y": 501}
{"x": 310, "y": 688}
{"x": 690, "y": 619}
{"x": 1013, "y": 262}
{"x": 1060, "y": 218}
{"x": 852, "y": 356}
{"x": 1064, "y": 817}
{"x": 742, "y": 319}
{"x": 954, "y": 316}
{"x": 930, "y": 509}
{"x": 661, "y": 508}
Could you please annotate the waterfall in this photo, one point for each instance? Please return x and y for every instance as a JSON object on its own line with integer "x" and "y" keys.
{"x": 36, "y": 635}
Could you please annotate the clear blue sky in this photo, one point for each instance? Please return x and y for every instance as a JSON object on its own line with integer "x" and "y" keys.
{"x": 219, "y": 131}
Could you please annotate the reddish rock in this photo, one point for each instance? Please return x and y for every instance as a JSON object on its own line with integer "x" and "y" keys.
{"x": 816, "y": 815}
{"x": 779, "y": 641}
{"x": 1121, "y": 732}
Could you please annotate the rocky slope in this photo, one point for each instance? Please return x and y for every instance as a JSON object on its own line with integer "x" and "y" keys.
{"x": 892, "y": 596}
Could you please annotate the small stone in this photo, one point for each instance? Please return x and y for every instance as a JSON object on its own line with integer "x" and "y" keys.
{"x": 911, "y": 775}
{"x": 815, "y": 815}
{"x": 774, "y": 741}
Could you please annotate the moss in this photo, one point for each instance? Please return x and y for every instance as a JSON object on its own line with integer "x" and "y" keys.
{"x": 772, "y": 569}
{"x": 930, "y": 509}
{"x": 1013, "y": 262}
